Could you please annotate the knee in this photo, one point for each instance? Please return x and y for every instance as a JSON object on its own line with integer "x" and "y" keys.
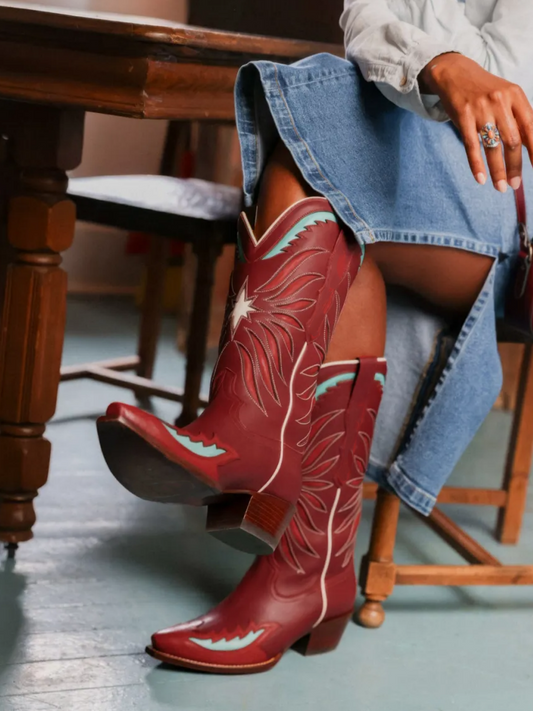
{"x": 370, "y": 280}
{"x": 282, "y": 173}
{"x": 282, "y": 185}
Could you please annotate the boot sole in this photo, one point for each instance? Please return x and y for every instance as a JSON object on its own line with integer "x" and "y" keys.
{"x": 212, "y": 668}
{"x": 324, "y": 638}
{"x": 247, "y": 521}
{"x": 146, "y": 472}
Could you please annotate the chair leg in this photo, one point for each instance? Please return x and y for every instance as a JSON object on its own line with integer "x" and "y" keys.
{"x": 207, "y": 253}
{"x": 378, "y": 572}
{"x": 520, "y": 457}
{"x": 152, "y": 306}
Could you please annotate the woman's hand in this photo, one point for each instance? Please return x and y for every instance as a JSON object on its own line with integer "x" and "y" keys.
{"x": 473, "y": 97}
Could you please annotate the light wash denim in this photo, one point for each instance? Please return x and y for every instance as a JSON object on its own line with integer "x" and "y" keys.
{"x": 394, "y": 176}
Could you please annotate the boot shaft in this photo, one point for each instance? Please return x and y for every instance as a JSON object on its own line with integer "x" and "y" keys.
{"x": 281, "y": 295}
{"x": 285, "y": 296}
{"x": 323, "y": 530}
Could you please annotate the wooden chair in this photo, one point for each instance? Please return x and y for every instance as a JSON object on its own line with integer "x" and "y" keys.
{"x": 193, "y": 211}
{"x": 379, "y": 573}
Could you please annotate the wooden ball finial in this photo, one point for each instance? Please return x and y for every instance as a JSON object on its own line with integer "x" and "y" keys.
{"x": 371, "y": 615}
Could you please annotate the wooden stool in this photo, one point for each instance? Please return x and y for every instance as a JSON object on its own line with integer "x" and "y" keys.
{"x": 379, "y": 574}
{"x": 192, "y": 211}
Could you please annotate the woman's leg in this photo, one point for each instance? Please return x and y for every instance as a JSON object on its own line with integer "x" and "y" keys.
{"x": 448, "y": 279}
{"x": 356, "y": 335}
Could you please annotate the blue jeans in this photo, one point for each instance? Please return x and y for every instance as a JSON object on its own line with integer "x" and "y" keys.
{"x": 393, "y": 176}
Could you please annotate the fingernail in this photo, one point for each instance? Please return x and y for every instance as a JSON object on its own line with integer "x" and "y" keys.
{"x": 481, "y": 178}
{"x": 515, "y": 183}
{"x": 501, "y": 185}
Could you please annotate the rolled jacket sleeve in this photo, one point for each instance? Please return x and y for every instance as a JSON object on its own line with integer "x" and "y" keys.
{"x": 499, "y": 40}
{"x": 392, "y": 41}
{"x": 392, "y": 52}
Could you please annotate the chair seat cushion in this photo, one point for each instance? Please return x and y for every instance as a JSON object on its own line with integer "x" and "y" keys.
{"x": 193, "y": 198}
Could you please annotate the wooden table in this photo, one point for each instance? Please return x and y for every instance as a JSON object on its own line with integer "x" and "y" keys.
{"x": 54, "y": 66}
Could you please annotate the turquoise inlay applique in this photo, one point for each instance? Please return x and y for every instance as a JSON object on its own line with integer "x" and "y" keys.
{"x": 312, "y": 219}
{"x": 327, "y": 384}
{"x": 228, "y": 645}
{"x": 198, "y": 448}
{"x": 380, "y": 378}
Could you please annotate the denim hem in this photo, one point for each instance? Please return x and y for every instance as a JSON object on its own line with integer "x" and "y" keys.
{"x": 286, "y": 126}
{"x": 484, "y": 300}
{"x": 398, "y": 482}
{"x": 436, "y": 239}
{"x": 287, "y": 129}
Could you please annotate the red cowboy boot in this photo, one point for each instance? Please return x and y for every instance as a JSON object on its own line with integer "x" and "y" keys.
{"x": 242, "y": 456}
{"x": 305, "y": 591}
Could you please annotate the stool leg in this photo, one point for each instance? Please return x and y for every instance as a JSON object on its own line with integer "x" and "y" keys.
{"x": 519, "y": 458}
{"x": 378, "y": 572}
{"x": 207, "y": 253}
{"x": 152, "y": 307}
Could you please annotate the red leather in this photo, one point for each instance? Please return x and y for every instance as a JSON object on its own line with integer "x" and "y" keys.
{"x": 310, "y": 579}
{"x": 281, "y": 312}
{"x": 519, "y": 304}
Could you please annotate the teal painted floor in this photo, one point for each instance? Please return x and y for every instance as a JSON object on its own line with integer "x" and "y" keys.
{"x": 105, "y": 570}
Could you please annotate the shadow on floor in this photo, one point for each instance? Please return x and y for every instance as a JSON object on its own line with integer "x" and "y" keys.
{"x": 12, "y": 586}
{"x": 187, "y": 562}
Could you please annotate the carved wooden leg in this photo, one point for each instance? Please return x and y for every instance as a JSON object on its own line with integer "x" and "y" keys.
{"x": 378, "y": 571}
{"x": 519, "y": 458}
{"x": 207, "y": 252}
{"x": 152, "y": 306}
{"x": 42, "y": 143}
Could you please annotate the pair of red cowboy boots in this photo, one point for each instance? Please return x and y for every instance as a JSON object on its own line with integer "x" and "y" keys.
{"x": 279, "y": 454}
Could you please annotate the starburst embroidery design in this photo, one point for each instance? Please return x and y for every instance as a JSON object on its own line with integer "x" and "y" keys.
{"x": 265, "y": 322}
{"x": 243, "y": 307}
{"x": 275, "y": 312}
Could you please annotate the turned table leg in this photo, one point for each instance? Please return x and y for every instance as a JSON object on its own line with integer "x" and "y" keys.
{"x": 39, "y": 224}
{"x": 378, "y": 572}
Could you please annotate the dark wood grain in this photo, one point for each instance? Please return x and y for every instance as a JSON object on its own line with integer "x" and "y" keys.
{"x": 151, "y": 30}
{"x": 54, "y": 65}
{"x": 133, "y": 67}
{"x": 42, "y": 144}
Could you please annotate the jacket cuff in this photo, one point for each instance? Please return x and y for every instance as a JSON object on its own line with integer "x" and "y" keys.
{"x": 422, "y": 54}
{"x": 399, "y": 83}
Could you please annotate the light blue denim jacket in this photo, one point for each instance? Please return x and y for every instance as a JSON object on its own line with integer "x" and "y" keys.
{"x": 392, "y": 41}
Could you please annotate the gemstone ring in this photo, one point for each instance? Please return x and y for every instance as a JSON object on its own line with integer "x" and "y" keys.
{"x": 490, "y": 136}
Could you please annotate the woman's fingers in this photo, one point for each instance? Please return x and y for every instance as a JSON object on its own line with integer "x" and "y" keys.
{"x": 523, "y": 113}
{"x": 512, "y": 146}
{"x": 513, "y": 117}
{"x": 495, "y": 161}
{"x": 467, "y": 126}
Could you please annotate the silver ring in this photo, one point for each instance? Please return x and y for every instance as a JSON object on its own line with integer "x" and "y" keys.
{"x": 490, "y": 136}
